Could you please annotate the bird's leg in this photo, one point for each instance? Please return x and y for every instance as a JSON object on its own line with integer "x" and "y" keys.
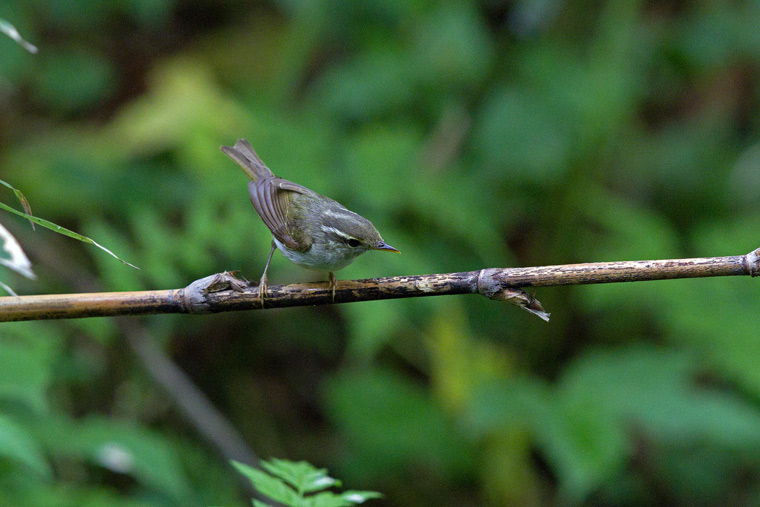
{"x": 332, "y": 284}
{"x": 263, "y": 281}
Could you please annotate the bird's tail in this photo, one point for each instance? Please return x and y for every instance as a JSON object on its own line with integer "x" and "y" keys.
{"x": 244, "y": 155}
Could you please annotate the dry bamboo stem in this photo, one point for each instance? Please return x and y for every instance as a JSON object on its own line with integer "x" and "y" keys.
{"x": 222, "y": 292}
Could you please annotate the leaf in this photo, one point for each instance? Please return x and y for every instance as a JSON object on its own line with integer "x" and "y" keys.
{"x": 150, "y": 458}
{"x": 120, "y": 446}
{"x": 73, "y": 79}
{"x": 582, "y": 440}
{"x": 360, "y": 496}
{"x": 628, "y": 378}
{"x": 18, "y": 261}
{"x": 581, "y": 424}
{"x": 717, "y": 317}
{"x": 452, "y": 47}
{"x": 519, "y": 131}
{"x": 26, "y": 371}
{"x": 602, "y": 393}
{"x": 393, "y": 423}
{"x": 304, "y": 477}
{"x": 585, "y": 444}
{"x": 267, "y": 485}
{"x": 637, "y": 383}
{"x": 518, "y": 402}
{"x": 10, "y": 30}
{"x": 21, "y": 198}
{"x": 16, "y": 443}
{"x": 7, "y": 289}
{"x": 346, "y": 499}
{"x": 62, "y": 230}
{"x": 367, "y": 85}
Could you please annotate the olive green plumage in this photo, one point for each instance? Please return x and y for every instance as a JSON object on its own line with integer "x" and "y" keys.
{"x": 310, "y": 230}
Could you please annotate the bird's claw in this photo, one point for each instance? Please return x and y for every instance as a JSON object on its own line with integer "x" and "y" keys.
{"x": 262, "y": 290}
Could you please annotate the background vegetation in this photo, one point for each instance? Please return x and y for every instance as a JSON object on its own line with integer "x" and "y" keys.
{"x": 473, "y": 134}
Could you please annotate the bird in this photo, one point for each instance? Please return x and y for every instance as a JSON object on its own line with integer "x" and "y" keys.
{"x": 310, "y": 230}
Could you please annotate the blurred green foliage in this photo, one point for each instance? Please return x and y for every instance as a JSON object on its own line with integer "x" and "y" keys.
{"x": 473, "y": 134}
{"x": 297, "y": 484}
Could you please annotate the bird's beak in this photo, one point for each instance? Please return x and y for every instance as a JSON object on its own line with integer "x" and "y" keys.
{"x": 381, "y": 245}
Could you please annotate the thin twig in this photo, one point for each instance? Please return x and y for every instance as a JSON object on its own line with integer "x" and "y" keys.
{"x": 222, "y": 292}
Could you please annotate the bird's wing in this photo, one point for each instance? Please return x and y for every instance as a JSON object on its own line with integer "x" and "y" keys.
{"x": 271, "y": 198}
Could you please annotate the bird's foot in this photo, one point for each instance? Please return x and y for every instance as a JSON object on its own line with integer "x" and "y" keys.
{"x": 262, "y": 290}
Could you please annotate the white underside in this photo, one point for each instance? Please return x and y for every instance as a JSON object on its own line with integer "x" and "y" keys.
{"x": 318, "y": 258}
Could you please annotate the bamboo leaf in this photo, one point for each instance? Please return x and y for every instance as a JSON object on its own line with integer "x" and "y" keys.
{"x": 10, "y": 30}
{"x": 17, "y": 259}
{"x": 62, "y": 230}
{"x": 21, "y": 198}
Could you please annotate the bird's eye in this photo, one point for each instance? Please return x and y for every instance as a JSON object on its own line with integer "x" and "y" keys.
{"x": 353, "y": 242}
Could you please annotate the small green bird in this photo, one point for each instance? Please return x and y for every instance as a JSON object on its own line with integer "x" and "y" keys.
{"x": 310, "y": 230}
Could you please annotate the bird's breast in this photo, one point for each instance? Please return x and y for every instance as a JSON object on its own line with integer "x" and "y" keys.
{"x": 318, "y": 257}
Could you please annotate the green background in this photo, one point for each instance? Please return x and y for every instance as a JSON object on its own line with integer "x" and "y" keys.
{"x": 473, "y": 135}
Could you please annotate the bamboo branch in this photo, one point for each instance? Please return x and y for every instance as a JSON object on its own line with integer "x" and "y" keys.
{"x": 223, "y": 292}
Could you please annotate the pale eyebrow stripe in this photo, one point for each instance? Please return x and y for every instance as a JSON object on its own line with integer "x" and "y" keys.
{"x": 337, "y": 232}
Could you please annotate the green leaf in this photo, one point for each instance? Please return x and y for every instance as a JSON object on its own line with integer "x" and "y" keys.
{"x": 368, "y": 85}
{"x": 655, "y": 388}
{"x": 74, "y": 78}
{"x": 584, "y": 442}
{"x": 581, "y": 425}
{"x": 21, "y": 198}
{"x": 346, "y": 499}
{"x": 628, "y": 378}
{"x": 360, "y": 496}
{"x": 452, "y": 46}
{"x": 717, "y": 317}
{"x": 304, "y": 477}
{"x": 517, "y": 402}
{"x": 393, "y": 423}
{"x": 519, "y": 131}
{"x": 604, "y": 392}
{"x": 267, "y": 485}
{"x": 26, "y": 371}
{"x": 150, "y": 457}
{"x": 62, "y": 230}
{"x": 16, "y": 443}
{"x": 119, "y": 446}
